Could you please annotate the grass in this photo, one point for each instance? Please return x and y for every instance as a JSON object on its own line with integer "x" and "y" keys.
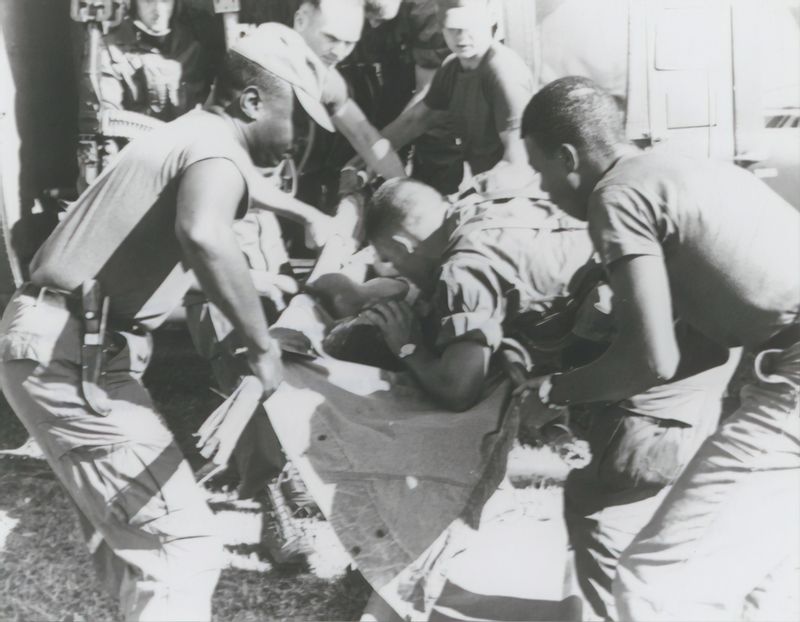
{"x": 46, "y": 572}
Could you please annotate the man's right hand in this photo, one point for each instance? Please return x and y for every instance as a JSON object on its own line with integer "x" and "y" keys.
{"x": 319, "y": 229}
{"x": 267, "y": 367}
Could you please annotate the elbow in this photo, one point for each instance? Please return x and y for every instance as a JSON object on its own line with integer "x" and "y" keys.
{"x": 196, "y": 238}
{"x": 458, "y": 404}
{"x": 459, "y": 399}
{"x": 661, "y": 367}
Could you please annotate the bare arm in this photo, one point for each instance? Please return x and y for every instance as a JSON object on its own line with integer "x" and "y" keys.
{"x": 368, "y": 143}
{"x": 204, "y": 214}
{"x": 645, "y": 351}
{"x": 265, "y": 195}
{"x": 410, "y": 124}
{"x": 454, "y": 379}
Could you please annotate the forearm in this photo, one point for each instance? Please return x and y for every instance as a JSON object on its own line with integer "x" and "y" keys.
{"x": 621, "y": 372}
{"x": 410, "y": 124}
{"x": 265, "y": 195}
{"x": 375, "y": 150}
{"x": 438, "y": 380}
{"x": 223, "y": 275}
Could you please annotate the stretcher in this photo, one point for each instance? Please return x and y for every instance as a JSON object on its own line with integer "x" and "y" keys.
{"x": 405, "y": 486}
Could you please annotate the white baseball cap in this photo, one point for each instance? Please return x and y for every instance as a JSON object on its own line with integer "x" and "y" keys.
{"x": 282, "y": 52}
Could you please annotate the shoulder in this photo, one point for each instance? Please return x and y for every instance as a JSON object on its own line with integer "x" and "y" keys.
{"x": 449, "y": 66}
{"x": 502, "y": 60}
{"x": 201, "y": 135}
{"x": 334, "y": 90}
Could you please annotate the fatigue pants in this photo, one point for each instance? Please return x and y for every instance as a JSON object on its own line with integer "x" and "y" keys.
{"x": 147, "y": 524}
{"x": 724, "y": 545}
{"x": 634, "y": 460}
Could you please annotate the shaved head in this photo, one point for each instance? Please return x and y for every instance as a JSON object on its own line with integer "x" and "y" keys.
{"x": 407, "y": 206}
{"x": 331, "y": 28}
{"x": 404, "y": 223}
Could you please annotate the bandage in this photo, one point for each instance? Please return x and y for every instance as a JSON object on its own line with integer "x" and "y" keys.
{"x": 381, "y": 148}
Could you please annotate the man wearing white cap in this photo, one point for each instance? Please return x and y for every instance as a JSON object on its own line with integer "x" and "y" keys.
{"x": 483, "y": 86}
{"x": 74, "y": 341}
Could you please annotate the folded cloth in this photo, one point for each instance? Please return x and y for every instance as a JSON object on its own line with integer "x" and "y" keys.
{"x": 218, "y": 435}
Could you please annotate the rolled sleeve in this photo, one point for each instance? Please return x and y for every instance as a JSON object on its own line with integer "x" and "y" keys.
{"x": 623, "y": 223}
{"x": 470, "y": 305}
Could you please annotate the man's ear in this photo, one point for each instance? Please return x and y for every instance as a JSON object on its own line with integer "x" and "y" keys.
{"x": 569, "y": 157}
{"x": 250, "y": 102}
{"x": 301, "y": 17}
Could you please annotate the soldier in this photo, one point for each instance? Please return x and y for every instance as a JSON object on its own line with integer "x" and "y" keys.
{"x": 483, "y": 87}
{"x": 482, "y": 263}
{"x": 419, "y": 43}
{"x": 152, "y": 64}
{"x": 165, "y": 206}
{"x": 710, "y": 244}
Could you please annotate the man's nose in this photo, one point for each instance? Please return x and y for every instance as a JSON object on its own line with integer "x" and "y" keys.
{"x": 341, "y": 49}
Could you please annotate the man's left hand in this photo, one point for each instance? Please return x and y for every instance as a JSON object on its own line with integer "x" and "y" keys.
{"x": 397, "y": 322}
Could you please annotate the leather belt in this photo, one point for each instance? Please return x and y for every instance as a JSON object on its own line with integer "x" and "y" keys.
{"x": 52, "y": 296}
{"x": 69, "y": 301}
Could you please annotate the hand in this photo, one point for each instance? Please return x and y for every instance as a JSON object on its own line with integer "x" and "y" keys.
{"x": 267, "y": 367}
{"x": 350, "y": 217}
{"x": 290, "y": 339}
{"x": 351, "y": 181}
{"x": 319, "y": 230}
{"x": 267, "y": 282}
{"x": 531, "y": 385}
{"x": 534, "y": 414}
{"x": 396, "y": 321}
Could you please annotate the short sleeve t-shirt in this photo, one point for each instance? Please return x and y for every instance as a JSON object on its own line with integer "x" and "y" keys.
{"x": 504, "y": 259}
{"x": 731, "y": 246}
{"x": 121, "y": 231}
{"x": 483, "y": 102}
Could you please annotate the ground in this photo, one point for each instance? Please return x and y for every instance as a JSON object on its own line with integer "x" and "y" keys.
{"x": 45, "y": 570}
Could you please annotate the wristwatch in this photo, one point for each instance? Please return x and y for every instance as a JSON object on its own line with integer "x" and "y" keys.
{"x": 406, "y": 350}
{"x": 544, "y": 392}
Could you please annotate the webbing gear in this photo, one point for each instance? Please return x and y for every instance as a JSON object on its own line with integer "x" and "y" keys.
{"x": 94, "y": 317}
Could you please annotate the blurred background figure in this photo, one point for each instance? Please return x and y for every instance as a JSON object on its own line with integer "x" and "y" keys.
{"x": 152, "y": 64}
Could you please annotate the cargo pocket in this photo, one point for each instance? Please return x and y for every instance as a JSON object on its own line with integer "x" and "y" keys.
{"x": 128, "y": 353}
{"x": 117, "y": 488}
{"x": 645, "y": 451}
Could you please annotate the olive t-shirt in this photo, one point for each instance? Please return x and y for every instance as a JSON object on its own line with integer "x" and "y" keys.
{"x": 503, "y": 259}
{"x": 731, "y": 246}
{"x": 121, "y": 231}
{"x": 483, "y": 102}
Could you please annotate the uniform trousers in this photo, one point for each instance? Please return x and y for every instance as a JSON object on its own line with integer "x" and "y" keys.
{"x": 725, "y": 543}
{"x": 146, "y": 522}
